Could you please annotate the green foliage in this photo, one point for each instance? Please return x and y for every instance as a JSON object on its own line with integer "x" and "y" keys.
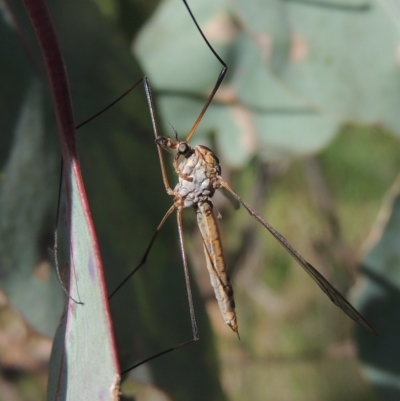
{"x": 380, "y": 299}
{"x": 28, "y": 179}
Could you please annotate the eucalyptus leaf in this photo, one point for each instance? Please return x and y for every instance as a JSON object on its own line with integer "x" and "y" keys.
{"x": 379, "y": 300}
{"x": 297, "y": 71}
{"x": 25, "y": 198}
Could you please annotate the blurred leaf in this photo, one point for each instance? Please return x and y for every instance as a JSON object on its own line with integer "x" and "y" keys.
{"x": 297, "y": 71}
{"x": 379, "y": 300}
{"x": 350, "y": 63}
{"x": 25, "y": 199}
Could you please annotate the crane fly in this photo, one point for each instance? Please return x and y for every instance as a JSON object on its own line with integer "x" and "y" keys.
{"x": 199, "y": 176}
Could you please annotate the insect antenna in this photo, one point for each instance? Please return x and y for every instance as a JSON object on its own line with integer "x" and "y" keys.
{"x": 175, "y": 131}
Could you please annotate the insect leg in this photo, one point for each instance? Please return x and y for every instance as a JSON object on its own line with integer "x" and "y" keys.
{"x": 157, "y": 355}
{"x": 55, "y": 246}
{"x": 146, "y": 254}
{"x": 189, "y": 293}
{"x": 129, "y": 90}
{"x": 219, "y": 80}
{"x": 156, "y": 134}
{"x": 187, "y": 279}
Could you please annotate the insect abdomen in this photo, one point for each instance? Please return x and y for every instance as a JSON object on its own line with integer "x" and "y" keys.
{"x": 216, "y": 263}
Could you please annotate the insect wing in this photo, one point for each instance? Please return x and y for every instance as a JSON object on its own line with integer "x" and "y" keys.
{"x": 334, "y": 295}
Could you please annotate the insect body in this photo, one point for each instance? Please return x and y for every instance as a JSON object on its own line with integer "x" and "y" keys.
{"x": 199, "y": 177}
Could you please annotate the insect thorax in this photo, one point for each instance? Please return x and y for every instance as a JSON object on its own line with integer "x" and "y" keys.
{"x": 198, "y": 177}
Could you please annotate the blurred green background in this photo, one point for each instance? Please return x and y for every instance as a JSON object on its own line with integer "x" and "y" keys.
{"x": 306, "y": 128}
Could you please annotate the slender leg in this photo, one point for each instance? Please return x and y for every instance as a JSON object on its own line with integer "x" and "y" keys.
{"x": 187, "y": 279}
{"x": 157, "y": 355}
{"x": 111, "y": 104}
{"x": 55, "y": 246}
{"x": 219, "y": 80}
{"x": 189, "y": 293}
{"x": 178, "y": 171}
{"x": 153, "y": 120}
{"x": 146, "y": 254}
{"x": 156, "y": 134}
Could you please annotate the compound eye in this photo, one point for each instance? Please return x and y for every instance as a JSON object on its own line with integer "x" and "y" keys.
{"x": 183, "y": 148}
